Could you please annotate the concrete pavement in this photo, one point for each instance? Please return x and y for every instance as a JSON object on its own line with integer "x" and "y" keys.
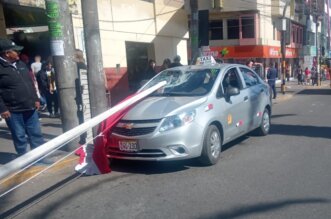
{"x": 282, "y": 175}
{"x": 51, "y": 127}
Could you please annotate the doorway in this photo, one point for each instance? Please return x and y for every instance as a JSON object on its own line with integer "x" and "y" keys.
{"x": 137, "y": 55}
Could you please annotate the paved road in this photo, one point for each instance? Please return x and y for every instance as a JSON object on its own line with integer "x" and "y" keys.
{"x": 284, "y": 175}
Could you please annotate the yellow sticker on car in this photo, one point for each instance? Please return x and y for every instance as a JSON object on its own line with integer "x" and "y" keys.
{"x": 229, "y": 119}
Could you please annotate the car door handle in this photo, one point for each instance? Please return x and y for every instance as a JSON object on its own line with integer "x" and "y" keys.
{"x": 246, "y": 99}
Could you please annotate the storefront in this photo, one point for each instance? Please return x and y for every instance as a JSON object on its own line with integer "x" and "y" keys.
{"x": 261, "y": 54}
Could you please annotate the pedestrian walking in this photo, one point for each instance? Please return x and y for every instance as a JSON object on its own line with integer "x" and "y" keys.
{"x": 18, "y": 99}
{"x": 307, "y": 76}
{"x": 46, "y": 81}
{"x": 272, "y": 76}
{"x": 313, "y": 76}
{"x": 287, "y": 72}
{"x": 299, "y": 73}
{"x": 80, "y": 61}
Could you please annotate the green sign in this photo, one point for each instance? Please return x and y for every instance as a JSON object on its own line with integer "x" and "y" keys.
{"x": 55, "y": 29}
{"x": 52, "y": 10}
{"x": 53, "y": 14}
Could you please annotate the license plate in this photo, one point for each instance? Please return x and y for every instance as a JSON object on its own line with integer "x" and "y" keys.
{"x": 129, "y": 146}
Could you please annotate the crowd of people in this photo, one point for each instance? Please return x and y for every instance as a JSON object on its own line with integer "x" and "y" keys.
{"x": 309, "y": 76}
{"x": 26, "y": 89}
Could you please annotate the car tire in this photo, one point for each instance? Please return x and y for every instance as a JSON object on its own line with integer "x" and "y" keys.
{"x": 264, "y": 127}
{"x": 212, "y": 146}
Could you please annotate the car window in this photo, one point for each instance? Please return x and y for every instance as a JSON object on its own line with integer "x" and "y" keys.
{"x": 250, "y": 77}
{"x": 190, "y": 82}
{"x": 231, "y": 79}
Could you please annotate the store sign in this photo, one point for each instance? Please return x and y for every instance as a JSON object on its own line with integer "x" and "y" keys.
{"x": 249, "y": 52}
{"x": 274, "y": 52}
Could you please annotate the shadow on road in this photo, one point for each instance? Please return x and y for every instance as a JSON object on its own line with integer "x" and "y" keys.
{"x": 6, "y": 157}
{"x": 151, "y": 167}
{"x": 246, "y": 210}
{"x": 315, "y": 92}
{"x": 67, "y": 198}
{"x": 52, "y": 125}
{"x": 301, "y": 130}
{"x": 282, "y": 115}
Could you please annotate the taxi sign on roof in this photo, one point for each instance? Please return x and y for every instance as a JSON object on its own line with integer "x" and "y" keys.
{"x": 205, "y": 60}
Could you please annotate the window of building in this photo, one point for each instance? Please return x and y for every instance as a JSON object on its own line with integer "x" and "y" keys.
{"x": 248, "y": 26}
{"x": 297, "y": 34}
{"x": 233, "y": 28}
{"x": 216, "y": 30}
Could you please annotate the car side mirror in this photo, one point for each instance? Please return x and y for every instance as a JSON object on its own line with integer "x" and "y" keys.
{"x": 232, "y": 91}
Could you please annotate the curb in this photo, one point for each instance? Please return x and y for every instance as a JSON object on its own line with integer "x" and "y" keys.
{"x": 31, "y": 171}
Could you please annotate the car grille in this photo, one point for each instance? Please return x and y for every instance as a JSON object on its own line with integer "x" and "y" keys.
{"x": 133, "y": 131}
{"x": 139, "y": 127}
{"x": 141, "y": 121}
{"x": 143, "y": 153}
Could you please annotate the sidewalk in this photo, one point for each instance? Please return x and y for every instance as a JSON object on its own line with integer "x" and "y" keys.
{"x": 50, "y": 129}
{"x": 292, "y": 87}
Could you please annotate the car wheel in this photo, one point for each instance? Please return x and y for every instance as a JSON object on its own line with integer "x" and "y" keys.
{"x": 212, "y": 145}
{"x": 264, "y": 127}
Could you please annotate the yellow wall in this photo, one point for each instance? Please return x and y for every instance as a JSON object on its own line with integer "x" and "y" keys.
{"x": 135, "y": 20}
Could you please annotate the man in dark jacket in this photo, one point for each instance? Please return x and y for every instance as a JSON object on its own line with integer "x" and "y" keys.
{"x": 18, "y": 99}
{"x": 272, "y": 76}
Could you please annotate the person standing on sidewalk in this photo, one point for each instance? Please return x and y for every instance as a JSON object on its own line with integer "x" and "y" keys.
{"x": 18, "y": 99}
{"x": 35, "y": 68}
{"x": 272, "y": 76}
{"x": 46, "y": 81}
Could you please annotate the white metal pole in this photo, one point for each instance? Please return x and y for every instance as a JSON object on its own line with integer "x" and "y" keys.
{"x": 61, "y": 140}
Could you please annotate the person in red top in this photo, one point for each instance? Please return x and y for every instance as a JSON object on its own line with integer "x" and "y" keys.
{"x": 307, "y": 76}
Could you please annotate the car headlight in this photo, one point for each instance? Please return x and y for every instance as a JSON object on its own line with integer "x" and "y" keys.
{"x": 176, "y": 121}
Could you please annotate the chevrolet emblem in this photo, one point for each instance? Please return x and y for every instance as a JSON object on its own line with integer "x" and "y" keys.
{"x": 128, "y": 125}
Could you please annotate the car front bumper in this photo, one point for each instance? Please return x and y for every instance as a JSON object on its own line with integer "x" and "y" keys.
{"x": 181, "y": 143}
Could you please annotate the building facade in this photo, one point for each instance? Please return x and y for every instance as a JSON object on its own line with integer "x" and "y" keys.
{"x": 241, "y": 30}
{"x": 132, "y": 32}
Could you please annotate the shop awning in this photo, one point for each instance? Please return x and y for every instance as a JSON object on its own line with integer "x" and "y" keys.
{"x": 22, "y": 16}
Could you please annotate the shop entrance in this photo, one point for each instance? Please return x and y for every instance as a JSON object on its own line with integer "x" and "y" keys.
{"x": 137, "y": 55}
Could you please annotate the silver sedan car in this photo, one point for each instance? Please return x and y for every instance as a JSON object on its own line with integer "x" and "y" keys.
{"x": 194, "y": 114}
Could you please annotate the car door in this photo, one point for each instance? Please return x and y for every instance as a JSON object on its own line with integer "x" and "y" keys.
{"x": 254, "y": 89}
{"x": 233, "y": 109}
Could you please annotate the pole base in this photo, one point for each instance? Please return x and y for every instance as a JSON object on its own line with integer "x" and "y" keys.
{"x": 283, "y": 88}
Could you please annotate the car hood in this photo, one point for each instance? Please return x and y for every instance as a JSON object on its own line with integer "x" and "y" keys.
{"x": 160, "y": 107}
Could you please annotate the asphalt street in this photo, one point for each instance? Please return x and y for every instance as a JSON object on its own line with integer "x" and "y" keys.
{"x": 283, "y": 175}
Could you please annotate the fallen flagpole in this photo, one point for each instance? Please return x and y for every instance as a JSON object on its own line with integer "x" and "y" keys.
{"x": 58, "y": 142}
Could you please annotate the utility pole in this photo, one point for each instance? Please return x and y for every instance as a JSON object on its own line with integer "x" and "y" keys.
{"x": 283, "y": 48}
{"x": 62, "y": 47}
{"x": 317, "y": 51}
{"x": 194, "y": 30}
{"x": 95, "y": 72}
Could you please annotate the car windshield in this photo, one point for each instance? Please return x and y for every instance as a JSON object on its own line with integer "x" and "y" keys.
{"x": 189, "y": 82}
